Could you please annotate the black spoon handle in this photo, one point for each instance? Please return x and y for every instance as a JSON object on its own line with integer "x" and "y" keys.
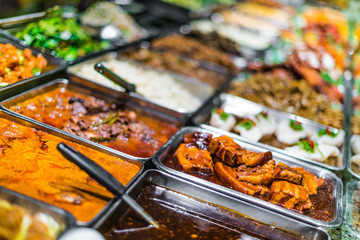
{"x": 105, "y": 178}
{"x": 129, "y": 87}
{"x": 93, "y": 169}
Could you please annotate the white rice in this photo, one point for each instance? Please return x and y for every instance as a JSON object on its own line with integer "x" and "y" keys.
{"x": 158, "y": 87}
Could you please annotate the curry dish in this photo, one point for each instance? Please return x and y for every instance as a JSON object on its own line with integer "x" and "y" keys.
{"x": 30, "y": 164}
{"x": 222, "y": 161}
{"x": 120, "y": 127}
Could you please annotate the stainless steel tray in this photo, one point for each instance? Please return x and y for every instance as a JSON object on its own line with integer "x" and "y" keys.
{"x": 33, "y": 206}
{"x": 350, "y": 165}
{"x": 231, "y": 103}
{"x": 39, "y": 126}
{"x": 192, "y": 193}
{"x": 59, "y": 69}
{"x": 170, "y": 147}
{"x": 92, "y": 89}
{"x": 350, "y": 188}
{"x": 10, "y": 33}
{"x": 198, "y": 89}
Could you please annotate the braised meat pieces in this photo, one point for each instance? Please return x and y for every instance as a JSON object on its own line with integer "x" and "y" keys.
{"x": 252, "y": 173}
{"x": 116, "y": 125}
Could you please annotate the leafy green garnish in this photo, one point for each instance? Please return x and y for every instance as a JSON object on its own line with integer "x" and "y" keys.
{"x": 111, "y": 119}
{"x": 101, "y": 139}
{"x": 247, "y": 123}
{"x": 326, "y": 76}
{"x": 219, "y": 111}
{"x": 4, "y": 84}
{"x": 264, "y": 114}
{"x": 214, "y": 110}
{"x": 224, "y": 116}
{"x": 307, "y": 145}
{"x": 327, "y": 132}
{"x": 295, "y": 125}
{"x": 36, "y": 71}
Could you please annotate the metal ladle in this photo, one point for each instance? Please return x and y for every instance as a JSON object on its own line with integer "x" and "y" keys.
{"x": 129, "y": 87}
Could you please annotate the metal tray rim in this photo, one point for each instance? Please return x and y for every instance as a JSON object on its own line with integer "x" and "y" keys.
{"x": 149, "y": 174}
{"x": 189, "y": 80}
{"x": 60, "y": 66}
{"x": 138, "y": 161}
{"x": 348, "y": 208}
{"x": 282, "y": 151}
{"x": 64, "y": 133}
{"x": 337, "y": 191}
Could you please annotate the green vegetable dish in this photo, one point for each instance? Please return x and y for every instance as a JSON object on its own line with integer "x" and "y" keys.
{"x": 64, "y": 38}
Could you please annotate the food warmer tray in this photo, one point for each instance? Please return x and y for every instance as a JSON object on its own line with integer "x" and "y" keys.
{"x": 337, "y": 202}
{"x": 349, "y": 165}
{"x": 207, "y": 195}
{"x": 89, "y": 88}
{"x": 244, "y": 53}
{"x": 34, "y": 206}
{"x": 204, "y": 91}
{"x": 43, "y": 127}
{"x": 252, "y": 108}
{"x": 348, "y": 218}
{"x": 59, "y": 69}
{"x": 9, "y": 34}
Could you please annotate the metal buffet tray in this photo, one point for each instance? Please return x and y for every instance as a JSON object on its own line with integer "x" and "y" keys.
{"x": 348, "y": 218}
{"x": 58, "y": 70}
{"x": 10, "y": 33}
{"x": 170, "y": 147}
{"x": 231, "y": 103}
{"x": 92, "y": 89}
{"x": 350, "y": 164}
{"x": 195, "y": 198}
{"x": 245, "y": 51}
{"x": 34, "y": 206}
{"x": 43, "y": 127}
{"x": 198, "y": 89}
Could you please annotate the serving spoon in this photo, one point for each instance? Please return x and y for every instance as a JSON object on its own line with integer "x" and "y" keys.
{"x": 129, "y": 87}
{"x": 105, "y": 178}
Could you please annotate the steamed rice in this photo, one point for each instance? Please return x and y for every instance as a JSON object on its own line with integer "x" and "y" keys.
{"x": 158, "y": 87}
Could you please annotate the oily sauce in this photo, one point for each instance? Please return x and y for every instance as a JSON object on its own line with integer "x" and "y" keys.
{"x": 117, "y": 126}
{"x": 31, "y": 164}
{"x": 183, "y": 217}
{"x": 323, "y": 206}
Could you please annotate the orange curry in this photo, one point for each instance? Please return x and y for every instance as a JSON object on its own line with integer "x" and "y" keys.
{"x": 16, "y": 64}
{"x": 30, "y": 164}
{"x": 115, "y": 125}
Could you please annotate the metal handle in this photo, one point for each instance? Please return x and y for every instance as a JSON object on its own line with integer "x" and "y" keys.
{"x": 13, "y": 21}
{"x": 105, "y": 178}
{"x": 129, "y": 87}
{"x": 93, "y": 169}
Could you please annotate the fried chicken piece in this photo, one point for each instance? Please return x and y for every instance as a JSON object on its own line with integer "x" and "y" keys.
{"x": 289, "y": 195}
{"x": 309, "y": 181}
{"x": 284, "y": 172}
{"x": 257, "y": 175}
{"x": 192, "y": 158}
{"x": 229, "y": 152}
{"x": 227, "y": 175}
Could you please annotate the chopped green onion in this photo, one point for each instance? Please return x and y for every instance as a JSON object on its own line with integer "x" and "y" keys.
{"x": 247, "y": 123}
{"x": 295, "y": 125}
